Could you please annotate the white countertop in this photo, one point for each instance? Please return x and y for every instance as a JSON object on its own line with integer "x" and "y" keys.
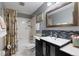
{"x": 37, "y": 37}
{"x": 58, "y": 41}
{"x": 70, "y": 50}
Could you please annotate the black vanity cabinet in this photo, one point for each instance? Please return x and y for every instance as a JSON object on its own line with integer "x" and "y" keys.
{"x": 39, "y": 47}
{"x": 55, "y": 50}
{"x": 43, "y": 48}
{"x": 48, "y": 50}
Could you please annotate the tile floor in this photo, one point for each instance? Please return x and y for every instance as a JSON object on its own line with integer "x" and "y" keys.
{"x": 26, "y": 52}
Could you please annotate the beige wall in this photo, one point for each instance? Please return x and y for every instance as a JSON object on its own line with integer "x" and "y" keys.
{"x": 33, "y": 27}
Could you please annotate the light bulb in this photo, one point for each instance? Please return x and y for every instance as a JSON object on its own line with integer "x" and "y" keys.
{"x": 57, "y": 2}
{"x": 49, "y": 3}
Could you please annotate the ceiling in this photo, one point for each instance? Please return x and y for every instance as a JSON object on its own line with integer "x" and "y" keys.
{"x": 28, "y": 8}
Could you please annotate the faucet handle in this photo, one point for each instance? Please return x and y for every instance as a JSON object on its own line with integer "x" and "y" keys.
{"x": 55, "y": 35}
{"x": 50, "y": 34}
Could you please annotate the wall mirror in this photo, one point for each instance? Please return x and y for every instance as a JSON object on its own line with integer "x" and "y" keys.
{"x": 65, "y": 15}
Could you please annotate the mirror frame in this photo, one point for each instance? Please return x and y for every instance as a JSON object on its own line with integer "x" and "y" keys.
{"x": 75, "y": 16}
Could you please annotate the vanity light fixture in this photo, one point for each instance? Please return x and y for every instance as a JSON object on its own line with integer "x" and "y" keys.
{"x": 57, "y": 2}
{"x": 49, "y": 3}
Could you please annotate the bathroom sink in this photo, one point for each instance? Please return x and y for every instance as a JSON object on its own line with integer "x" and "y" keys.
{"x": 56, "y": 41}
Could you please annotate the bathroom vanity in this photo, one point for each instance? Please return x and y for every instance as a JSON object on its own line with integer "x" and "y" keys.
{"x": 43, "y": 46}
{"x": 62, "y": 15}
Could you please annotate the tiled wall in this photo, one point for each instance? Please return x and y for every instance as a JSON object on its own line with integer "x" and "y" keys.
{"x": 22, "y": 32}
{"x": 60, "y": 33}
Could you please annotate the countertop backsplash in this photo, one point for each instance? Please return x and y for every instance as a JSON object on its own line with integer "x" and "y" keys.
{"x": 60, "y": 33}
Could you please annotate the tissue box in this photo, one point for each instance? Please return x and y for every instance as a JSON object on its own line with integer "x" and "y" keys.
{"x": 75, "y": 41}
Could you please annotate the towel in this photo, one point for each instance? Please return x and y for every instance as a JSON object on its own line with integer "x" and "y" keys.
{"x": 3, "y": 33}
{"x": 2, "y": 23}
{"x": 2, "y": 28}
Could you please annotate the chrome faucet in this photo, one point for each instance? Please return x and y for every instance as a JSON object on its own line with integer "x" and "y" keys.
{"x": 55, "y": 36}
{"x": 50, "y": 34}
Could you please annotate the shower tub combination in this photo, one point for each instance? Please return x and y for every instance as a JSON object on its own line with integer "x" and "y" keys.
{"x": 24, "y": 47}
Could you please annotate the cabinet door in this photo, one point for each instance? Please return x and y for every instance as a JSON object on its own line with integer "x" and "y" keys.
{"x": 52, "y": 50}
{"x": 39, "y": 48}
{"x": 44, "y": 48}
{"x": 47, "y": 49}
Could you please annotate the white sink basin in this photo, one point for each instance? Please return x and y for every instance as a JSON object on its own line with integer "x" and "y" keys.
{"x": 56, "y": 41}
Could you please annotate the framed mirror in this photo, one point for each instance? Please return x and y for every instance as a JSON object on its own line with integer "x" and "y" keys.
{"x": 65, "y": 15}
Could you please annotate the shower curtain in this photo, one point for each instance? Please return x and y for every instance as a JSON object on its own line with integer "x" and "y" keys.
{"x": 10, "y": 41}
